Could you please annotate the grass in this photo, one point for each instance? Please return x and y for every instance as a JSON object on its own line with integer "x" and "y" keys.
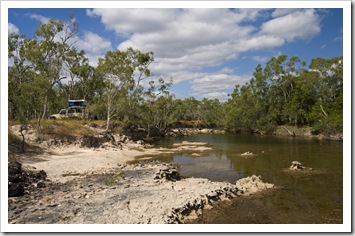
{"x": 73, "y": 128}
{"x": 112, "y": 180}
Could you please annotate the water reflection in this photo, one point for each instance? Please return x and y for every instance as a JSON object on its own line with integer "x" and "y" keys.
{"x": 308, "y": 198}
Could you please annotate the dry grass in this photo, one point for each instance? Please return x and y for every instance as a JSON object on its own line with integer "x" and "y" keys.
{"x": 65, "y": 128}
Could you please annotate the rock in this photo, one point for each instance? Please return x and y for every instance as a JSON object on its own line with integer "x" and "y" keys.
{"x": 14, "y": 167}
{"x": 15, "y": 189}
{"x": 41, "y": 184}
{"x": 296, "y": 166}
{"x": 247, "y": 154}
{"x": 90, "y": 200}
{"x": 94, "y": 141}
{"x": 140, "y": 142}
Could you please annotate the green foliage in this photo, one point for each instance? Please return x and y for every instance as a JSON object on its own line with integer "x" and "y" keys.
{"x": 284, "y": 93}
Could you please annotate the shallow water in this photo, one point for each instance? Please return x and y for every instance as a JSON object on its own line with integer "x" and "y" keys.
{"x": 302, "y": 197}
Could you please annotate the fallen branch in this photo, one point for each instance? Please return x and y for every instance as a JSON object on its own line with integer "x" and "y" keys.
{"x": 289, "y": 132}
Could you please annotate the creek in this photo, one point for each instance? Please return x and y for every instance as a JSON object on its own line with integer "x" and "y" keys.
{"x": 305, "y": 198}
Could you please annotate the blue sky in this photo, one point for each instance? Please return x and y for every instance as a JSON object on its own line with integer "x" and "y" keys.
{"x": 206, "y": 51}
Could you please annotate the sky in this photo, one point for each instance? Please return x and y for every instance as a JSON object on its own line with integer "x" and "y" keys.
{"x": 206, "y": 51}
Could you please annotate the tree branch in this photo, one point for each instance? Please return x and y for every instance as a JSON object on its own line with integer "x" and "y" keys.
{"x": 323, "y": 110}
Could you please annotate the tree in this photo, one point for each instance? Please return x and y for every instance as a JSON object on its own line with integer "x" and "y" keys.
{"x": 211, "y": 113}
{"x": 327, "y": 112}
{"x": 46, "y": 54}
{"x": 123, "y": 73}
{"x": 282, "y": 74}
{"x": 158, "y": 107}
{"x": 116, "y": 74}
{"x": 79, "y": 71}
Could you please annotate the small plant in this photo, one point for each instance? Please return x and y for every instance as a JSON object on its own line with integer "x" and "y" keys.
{"x": 112, "y": 180}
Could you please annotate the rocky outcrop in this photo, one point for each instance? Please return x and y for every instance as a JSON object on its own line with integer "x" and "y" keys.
{"x": 21, "y": 180}
{"x": 146, "y": 192}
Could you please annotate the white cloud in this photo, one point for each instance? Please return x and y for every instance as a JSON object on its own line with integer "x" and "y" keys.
{"x": 304, "y": 24}
{"x": 93, "y": 43}
{"x": 185, "y": 41}
{"x": 260, "y": 59}
{"x": 217, "y": 85}
{"x": 140, "y": 20}
{"x": 12, "y": 29}
{"x": 40, "y": 18}
{"x": 260, "y": 42}
{"x": 94, "y": 46}
{"x": 283, "y": 11}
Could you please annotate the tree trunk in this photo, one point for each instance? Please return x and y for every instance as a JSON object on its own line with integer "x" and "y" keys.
{"x": 108, "y": 118}
{"x": 41, "y": 118}
{"x": 22, "y": 128}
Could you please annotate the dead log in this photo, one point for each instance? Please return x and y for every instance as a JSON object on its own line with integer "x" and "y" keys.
{"x": 289, "y": 132}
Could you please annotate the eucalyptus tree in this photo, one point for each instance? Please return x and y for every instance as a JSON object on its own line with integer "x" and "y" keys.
{"x": 116, "y": 74}
{"x": 327, "y": 111}
{"x": 212, "y": 114}
{"x": 78, "y": 70}
{"x": 46, "y": 54}
{"x": 19, "y": 74}
{"x": 157, "y": 109}
{"x": 282, "y": 74}
{"x": 139, "y": 63}
{"x": 122, "y": 73}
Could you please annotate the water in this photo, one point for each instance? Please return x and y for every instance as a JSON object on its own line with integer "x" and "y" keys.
{"x": 312, "y": 197}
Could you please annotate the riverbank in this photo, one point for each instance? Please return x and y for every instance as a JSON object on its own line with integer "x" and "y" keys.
{"x": 292, "y": 131}
{"x": 79, "y": 184}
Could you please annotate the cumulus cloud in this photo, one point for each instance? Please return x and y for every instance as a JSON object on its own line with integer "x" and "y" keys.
{"x": 94, "y": 46}
{"x": 215, "y": 85}
{"x": 283, "y": 11}
{"x": 92, "y": 42}
{"x": 40, "y": 18}
{"x": 186, "y": 41}
{"x": 12, "y": 29}
{"x": 303, "y": 24}
{"x": 260, "y": 59}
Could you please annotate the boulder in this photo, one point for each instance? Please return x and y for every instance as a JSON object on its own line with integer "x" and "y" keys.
{"x": 20, "y": 179}
{"x": 296, "y": 166}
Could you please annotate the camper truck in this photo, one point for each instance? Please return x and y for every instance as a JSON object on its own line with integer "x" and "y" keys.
{"x": 76, "y": 110}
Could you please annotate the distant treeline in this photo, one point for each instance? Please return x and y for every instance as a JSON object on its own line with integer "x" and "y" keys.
{"x": 285, "y": 92}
